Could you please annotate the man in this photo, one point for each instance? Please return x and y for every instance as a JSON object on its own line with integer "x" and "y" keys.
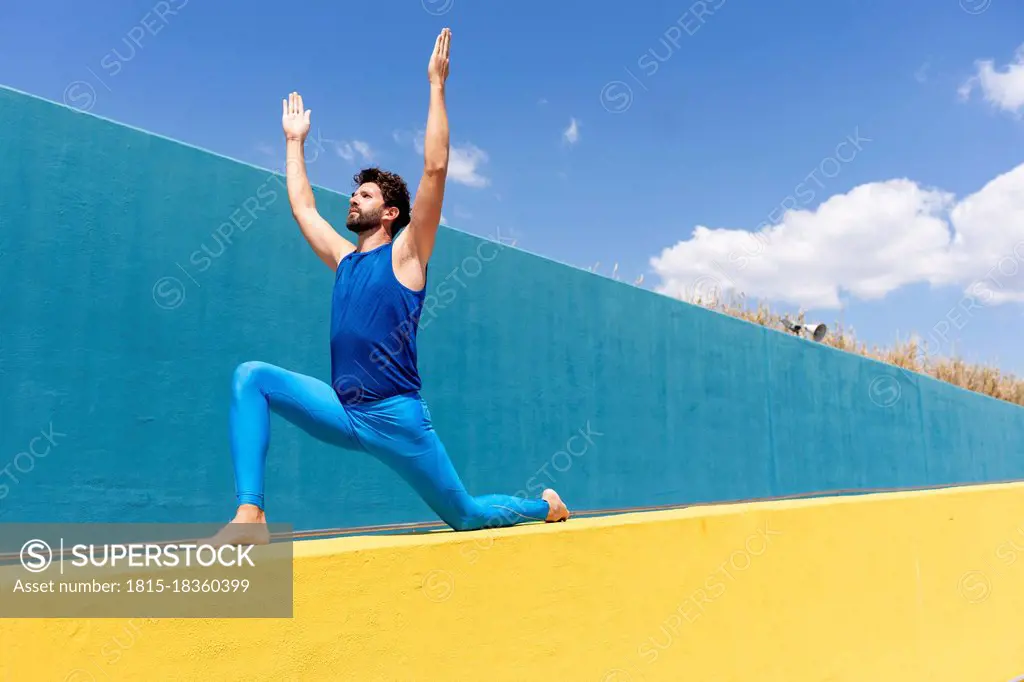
{"x": 373, "y": 403}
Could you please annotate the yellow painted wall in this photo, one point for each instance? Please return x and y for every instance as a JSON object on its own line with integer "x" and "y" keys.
{"x": 898, "y": 587}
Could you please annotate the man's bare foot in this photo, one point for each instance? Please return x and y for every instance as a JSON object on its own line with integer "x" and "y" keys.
{"x": 249, "y": 527}
{"x": 558, "y": 511}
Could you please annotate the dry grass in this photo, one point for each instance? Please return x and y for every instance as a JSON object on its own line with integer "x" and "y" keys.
{"x": 907, "y": 354}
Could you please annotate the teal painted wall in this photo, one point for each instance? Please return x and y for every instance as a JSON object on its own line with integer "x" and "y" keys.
{"x": 137, "y": 272}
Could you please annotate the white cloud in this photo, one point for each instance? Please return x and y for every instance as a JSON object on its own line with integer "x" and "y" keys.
{"x": 462, "y": 165}
{"x": 463, "y": 160}
{"x": 866, "y": 243}
{"x": 572, "y": 133}
{"x": 921, "y": 75}
{"x": 349, "y": 150}
{"x": 1003, "y": 89}
{"x": 363, "y": 149}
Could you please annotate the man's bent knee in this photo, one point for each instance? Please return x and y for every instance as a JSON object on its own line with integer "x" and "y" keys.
{"x": 247, "y": 373}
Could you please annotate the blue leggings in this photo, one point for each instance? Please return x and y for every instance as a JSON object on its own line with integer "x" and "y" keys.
{"x": 397, "y": 431}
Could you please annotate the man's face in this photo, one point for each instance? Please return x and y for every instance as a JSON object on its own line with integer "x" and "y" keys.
{"x": 365, "y": 208}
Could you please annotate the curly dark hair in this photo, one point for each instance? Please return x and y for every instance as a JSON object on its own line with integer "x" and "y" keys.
{"x": 392, "y": 188}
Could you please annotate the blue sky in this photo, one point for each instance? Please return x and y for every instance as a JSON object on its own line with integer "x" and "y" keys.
{"x": 688, "y": 115}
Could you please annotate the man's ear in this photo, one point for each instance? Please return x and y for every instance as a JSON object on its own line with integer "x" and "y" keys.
{"x": 391, "y": 213}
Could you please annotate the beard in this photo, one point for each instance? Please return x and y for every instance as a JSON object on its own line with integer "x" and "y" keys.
{"x": 363, "y": 221}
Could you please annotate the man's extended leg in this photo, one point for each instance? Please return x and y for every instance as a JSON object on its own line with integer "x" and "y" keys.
{"x": 399, "y": 432}
{"x": 312, "y": 405}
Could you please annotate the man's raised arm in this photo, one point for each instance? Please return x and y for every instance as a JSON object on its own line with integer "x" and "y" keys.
{"x": 426, "y": 208}
{"x": 330, "y": 246}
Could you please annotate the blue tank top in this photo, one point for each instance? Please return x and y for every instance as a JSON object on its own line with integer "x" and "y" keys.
{"x": 374, "y": 320}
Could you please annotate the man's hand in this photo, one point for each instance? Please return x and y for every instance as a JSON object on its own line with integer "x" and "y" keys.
{"x": 437, "y": 69}
{"x": 295, "y": 119}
